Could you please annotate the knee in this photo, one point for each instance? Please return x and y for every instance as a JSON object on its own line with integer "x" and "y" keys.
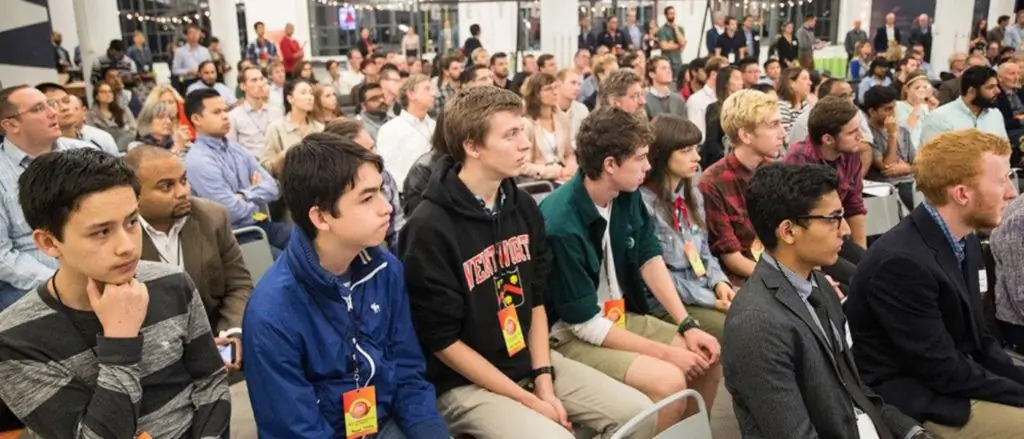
{"x": 669, "y": 385}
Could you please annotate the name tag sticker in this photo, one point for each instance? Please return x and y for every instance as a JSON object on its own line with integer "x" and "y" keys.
{"x": 982, "y": 281}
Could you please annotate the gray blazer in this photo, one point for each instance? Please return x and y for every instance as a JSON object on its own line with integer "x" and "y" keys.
{"x": 780, "y": 371}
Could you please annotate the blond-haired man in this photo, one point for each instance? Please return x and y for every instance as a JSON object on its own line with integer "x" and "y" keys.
{"x": 752, "y": 122}
{"x": 402, "y": 139}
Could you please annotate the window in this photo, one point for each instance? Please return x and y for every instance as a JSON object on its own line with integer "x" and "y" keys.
{"x": 386, "y": 24}
{"x": 794, "y": 11}
{"x": 161, "y": 36}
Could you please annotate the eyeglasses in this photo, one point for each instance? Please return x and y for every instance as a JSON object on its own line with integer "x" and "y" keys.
{"x": 834, "y": 219}
{"x": 39, "y": 108}
{"x": 639, "y": 97}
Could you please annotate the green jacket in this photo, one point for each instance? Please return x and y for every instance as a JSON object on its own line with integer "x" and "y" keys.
{"x": 574, "y": 232}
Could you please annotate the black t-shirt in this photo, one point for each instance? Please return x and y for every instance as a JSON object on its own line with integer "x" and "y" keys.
{"x": 731, "y": 46}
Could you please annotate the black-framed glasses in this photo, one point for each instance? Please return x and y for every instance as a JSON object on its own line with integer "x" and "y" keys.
{"x": 834, "y": 219}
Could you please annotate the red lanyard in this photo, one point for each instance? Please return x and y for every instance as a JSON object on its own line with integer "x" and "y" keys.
{"x": 681, "y": 212}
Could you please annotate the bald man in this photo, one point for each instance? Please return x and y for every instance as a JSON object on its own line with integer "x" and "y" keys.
{"x": 922, "y": 34}
{"x": 887, "y": 33}
{"x": 1010, "y": 101}
{"x": 853, "y": 38}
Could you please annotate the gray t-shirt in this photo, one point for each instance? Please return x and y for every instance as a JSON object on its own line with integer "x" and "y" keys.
{"x": 904, "y": 150}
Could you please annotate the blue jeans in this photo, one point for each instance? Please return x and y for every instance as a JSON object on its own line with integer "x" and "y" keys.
{"x": 390, "y": 431}
{"x": 277, "y": 233}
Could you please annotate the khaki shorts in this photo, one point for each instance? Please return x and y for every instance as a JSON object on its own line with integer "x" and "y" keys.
{"x": 612, "y": 362}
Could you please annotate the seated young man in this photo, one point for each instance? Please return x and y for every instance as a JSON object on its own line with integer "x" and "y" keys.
{"x": 330, "y": 348}
{"x": 605, "y": 255}
{"x": 892, "y": 151}
{"x": 110, "y": 346}
{"x": 751, "y": 121}
{"x": 835, "y": 139}
{"x": 477, "y": 265}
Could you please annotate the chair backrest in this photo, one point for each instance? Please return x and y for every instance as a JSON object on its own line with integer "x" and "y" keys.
{"x": 257, "y": 254}
{"x": 697, "y": 426}
{"x": 539, "y": 189}
{"x": 883, "y": 211}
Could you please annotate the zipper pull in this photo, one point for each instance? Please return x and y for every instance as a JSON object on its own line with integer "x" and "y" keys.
{"x": 348, "y": 302}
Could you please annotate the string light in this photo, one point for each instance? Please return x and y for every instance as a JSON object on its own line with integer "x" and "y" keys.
{"x": 388, "y": 6}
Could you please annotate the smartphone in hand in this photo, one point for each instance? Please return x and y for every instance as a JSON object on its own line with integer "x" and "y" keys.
{"x": 227, "y": 353}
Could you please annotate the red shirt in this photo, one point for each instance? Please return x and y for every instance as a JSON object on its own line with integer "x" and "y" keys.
{"x": 291, "y": 53}
{"x": 848, "y": 168}
{"x": 724, "y": 185}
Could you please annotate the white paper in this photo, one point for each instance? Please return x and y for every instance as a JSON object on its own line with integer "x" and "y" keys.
{"x": 983, "y": 281}
{"x": 876, "y": 189}
{"x": 866, "y": 427}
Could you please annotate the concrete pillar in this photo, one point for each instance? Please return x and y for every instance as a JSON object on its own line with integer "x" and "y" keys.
{"x": 559, "y": 30}
{"x": 997, "y": 8}
{"x": 498, "y": 24}
{"x": 64, "y": 22}
{"x": 27, "y": 55}
{"x": 224, "y": 25}
{"x": 98, "y": 23}
{"x": 951, "y": 29}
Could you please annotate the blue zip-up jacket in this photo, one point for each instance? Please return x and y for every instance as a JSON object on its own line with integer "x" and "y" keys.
{"x": 299, "y": 333}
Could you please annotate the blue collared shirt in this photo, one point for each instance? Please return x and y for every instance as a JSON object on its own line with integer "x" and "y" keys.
{"x": 956, "y": 245}
{"x": 220, "y": 170}
{"x": 868, "y": 82}
{"x": 23, "y": 266}
{"x": 221, "y": 89}
{"x": 748, "y": 35}
{"x": 956, "y": 115}
{"x": 186, "y": 59}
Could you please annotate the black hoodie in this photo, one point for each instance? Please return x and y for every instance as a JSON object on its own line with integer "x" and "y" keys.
{"x": 454, "y": 275}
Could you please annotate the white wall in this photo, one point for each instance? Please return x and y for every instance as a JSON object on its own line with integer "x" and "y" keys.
{"x": 952, "y": 29}
{"x": 997, "y": 8}
{"x": 690, "y": 15}
{"x": 25, "y": 62}
{"x": 850, "y": 10}
{"x": 497, "y": 22}
{"x": 63, "y": 20}
{"x": 275, "y": 14}
{"x": 559, "y": 33}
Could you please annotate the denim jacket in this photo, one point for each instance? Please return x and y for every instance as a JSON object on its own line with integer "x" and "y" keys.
{"x": 692, "y": 290}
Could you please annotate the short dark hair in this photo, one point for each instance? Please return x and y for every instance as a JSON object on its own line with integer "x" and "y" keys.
{"x": 878, "y": 96}
{"x": 345, "y": 127}
{"x": 975, "y": 77}
{"x": 468, "y": 118}
{"x": 809, "y": 16}
{"x": 828, "y": 117}
{"x": 764, "y": 87}
{"x": 610, "y": 132}
{"x": 377, "y": 55}
{"x": 318, "y": 171}
{"x": 497, "y": 56}
{"x": 769, "y": 62}
{"x": 729, "y": 19}
{"x": 46, "y": 87}
{"x": 204, "y": 64}
{"x": 109, "y": 68}
{"x": 256, "y": 25}
{"x": 448, "y": 60}
{"x": 213, "y": 40}
{"x": 747, "y": 62}
{"x": 668, "y": 8}
{"x": 1003, "y": 19}
{"x": 543, "y": 59}
{"x": 116, "y": 45}
{"x": 330, "y": 63}
{"x": 7, "y": 108}
{"x": 826, "y": 87}
{"x": 195, "y": 101}
{"x": 361, "y": 94}
{"x": 351, "y": 52}
{"x": 469, "y": 75}
{"x": 54, "y": 184}
{"x": 289, "y": 88}
{"x": 474, "y": 30}
{"x": 784, "y": 192}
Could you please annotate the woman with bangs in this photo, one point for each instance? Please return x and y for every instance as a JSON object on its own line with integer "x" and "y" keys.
{"x": 548, "y": 129}
{"x": 917, "y": 103}
{"x": 677, "y": 207}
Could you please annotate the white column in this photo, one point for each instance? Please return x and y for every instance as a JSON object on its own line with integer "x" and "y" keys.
{"x": 952, "y": 29}
{"x": 275, "y": 14}
{"x": 497, "y": 22}
{"x": 64, "y": 22}
{"x": 98, "y": 23}
{"x": 224, "y": 25}
{"x": 559, "y": 30}
{"x": 995, "y": 9}
{"x": 850, "y": 10}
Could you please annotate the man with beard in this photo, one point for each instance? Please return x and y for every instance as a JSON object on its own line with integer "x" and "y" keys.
{"x": 976, "y": 107}
{"x": 208, "y": 79}
{"x": 374, "y": 108}
{"x": 499, "y": 65}
{"x": 194, "y": 235}
{"x": 915, "y": 310}
{"x": 672, "y": 40}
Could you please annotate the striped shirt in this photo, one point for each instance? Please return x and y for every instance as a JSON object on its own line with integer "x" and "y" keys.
{"x": 63, "y": 379}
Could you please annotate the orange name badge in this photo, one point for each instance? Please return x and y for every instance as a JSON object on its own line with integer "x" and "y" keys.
{"x": 756, "y": 248}
{"x": 511, "y": 330}
{"x": 143, "y": 435}
{"x": 694, "y": 258}
{"x": 615, "y": 310}
{"x": 360, "y": 412}
{"x": 259, "y": 217}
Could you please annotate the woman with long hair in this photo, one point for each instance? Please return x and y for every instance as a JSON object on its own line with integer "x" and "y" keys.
{"x": 979, "y": 34}
{"x": 794, "y": 91}
{"x": 107, "y": 115}
{"x": 304, "y": 70}
{"x": 916, "y": 103}
{"x": 786, "y": 46}
{"x": 297, "y": 123}
{"x": 548, "y": 129}
{"x": 410, "y": 43}
{"x": 728, "y": 81}
{"x": 673, "y": 201}
{"x": 860, "y": 66}
{"x": 325, "y": 103}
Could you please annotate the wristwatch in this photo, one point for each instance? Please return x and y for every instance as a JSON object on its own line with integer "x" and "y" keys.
{"x": 687, "y": 324}
{"x": 550, "y": 370}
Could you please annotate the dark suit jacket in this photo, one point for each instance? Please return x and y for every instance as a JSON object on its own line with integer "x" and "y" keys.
{"x": 925, "y": 38}
{"x": 918, "y": 333}
{"x": 213, "y": 260}
{"x": 1003, "y": 102}
{"x": 949, "y": 91}
{"x": 711, "y": 40}
{"x": 780, "y": 370}
{"x": 882, "y": 40}
{"x": 621, "y": 38}
{"x": 587, "y": 40}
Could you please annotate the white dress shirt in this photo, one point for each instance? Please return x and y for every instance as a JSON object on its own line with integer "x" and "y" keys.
{"x": 697, "y": 107}
{"x": 168, "y": 245}
{"x": 249, "y": 126}
{"x": 401, "y": 141}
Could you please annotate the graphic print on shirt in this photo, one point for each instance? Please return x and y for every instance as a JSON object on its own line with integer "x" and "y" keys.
{"x": 502, "y": 266}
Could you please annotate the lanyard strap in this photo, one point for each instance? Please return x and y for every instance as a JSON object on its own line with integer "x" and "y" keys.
{"x": 682, "y": 214}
